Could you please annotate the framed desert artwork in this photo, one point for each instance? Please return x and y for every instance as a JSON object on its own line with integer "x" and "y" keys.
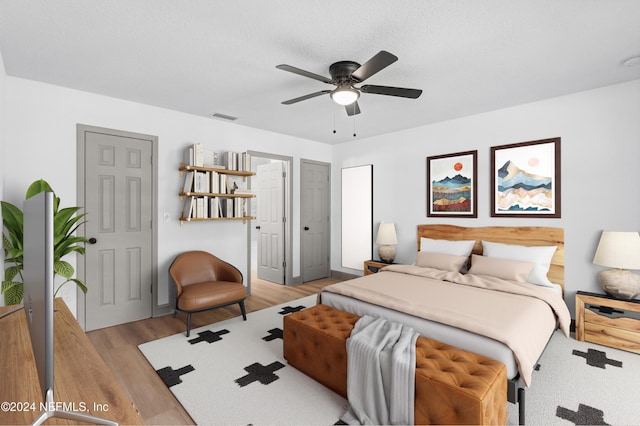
{"x": 452, "y": 185}
{"x": 525, "y": 179}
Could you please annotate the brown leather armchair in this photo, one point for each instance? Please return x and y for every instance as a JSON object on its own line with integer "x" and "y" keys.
{"x": 205, "y": 282}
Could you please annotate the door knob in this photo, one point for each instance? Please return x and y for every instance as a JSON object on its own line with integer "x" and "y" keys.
{"x": 92, "y": 240}
{"x": 306, "y": 228}
{"x": 257, "y": 227}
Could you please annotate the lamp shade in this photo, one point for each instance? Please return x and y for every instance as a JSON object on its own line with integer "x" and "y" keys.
{"x": 618, "y": 250}
{"x": 387, "y": 234}
{"x": 345, "y": 95}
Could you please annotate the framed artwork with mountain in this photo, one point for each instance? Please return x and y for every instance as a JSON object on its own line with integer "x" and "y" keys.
{"x": 525, "y": 179}
{"x": 452, "y": 185}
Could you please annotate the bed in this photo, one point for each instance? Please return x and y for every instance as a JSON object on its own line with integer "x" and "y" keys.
{"x": 491, "y": 310}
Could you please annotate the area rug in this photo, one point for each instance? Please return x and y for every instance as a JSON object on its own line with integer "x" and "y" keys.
{"x": 233, "y": 373}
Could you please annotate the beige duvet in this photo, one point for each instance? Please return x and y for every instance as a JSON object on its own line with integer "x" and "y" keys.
{"x": 521, "y": 316}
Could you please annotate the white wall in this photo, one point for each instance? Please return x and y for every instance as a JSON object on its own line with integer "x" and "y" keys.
{"x": 41, "y": 143}
{"x": 3, "y": 125}
{"x": 600, "y": 131}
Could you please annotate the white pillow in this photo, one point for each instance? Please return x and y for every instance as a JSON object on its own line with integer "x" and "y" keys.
{"x": 456, "y": 248}
{"x": 540, "y": 255}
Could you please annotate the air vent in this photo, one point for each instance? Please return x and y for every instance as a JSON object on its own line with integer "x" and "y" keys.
{"x": 224, "y": 116}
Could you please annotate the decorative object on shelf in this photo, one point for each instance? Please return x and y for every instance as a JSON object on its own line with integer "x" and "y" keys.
{"x": 452, "y": 189}
{"x": 525, "y": 179}
{"x": 621, "y": 251}
{"x": 388, "y": 240}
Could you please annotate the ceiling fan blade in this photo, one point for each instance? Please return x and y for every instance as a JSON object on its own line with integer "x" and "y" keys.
{"x": 380, "y": 61}
{"x": 352, "y": 109}
{"x": 304, "y": 73}
{"x": 392, "y": 91}
{"x": 305, "y": 97}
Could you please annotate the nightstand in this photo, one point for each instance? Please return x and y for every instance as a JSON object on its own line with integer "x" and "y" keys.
{"x": 607, "y": 321}
{"x": 373, "y": 266}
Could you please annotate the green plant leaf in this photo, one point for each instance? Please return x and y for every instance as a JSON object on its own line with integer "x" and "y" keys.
{"x": 37, "y": 187}
{"x": 14, "y": 255}
{"x": 63, "y": 269}
{"x": 13, "y": 292}
{"x": 80, "y": 284}
{"x": 11, "y": 272}
{"x": 67, "y": 246}
{"x": 73, "y": 224}
{"x": 6, "y": 243}
{"x": 13, "y": 221}
{"x": 61, "y": 218}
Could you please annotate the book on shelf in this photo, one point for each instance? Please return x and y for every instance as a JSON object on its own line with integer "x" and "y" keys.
{"x": 187, "y": 211}
{"x": 223, "y": 184}
{"x": 226, "y": 207}
{"x": 211, "y": 159}
{"x": 214, "y": 207}
{"x": 238, "y": 207}
{"x": 243, "y": 192}
{"x": 215, "y": 182}
{"x": 230, "y": 160}
{"x": 200, "y": 208}
{"x": 246, "y": 162}
{"x": 188, "y": 182}
{"x": 198, "y": 155}
{"x": 188, "y": 156}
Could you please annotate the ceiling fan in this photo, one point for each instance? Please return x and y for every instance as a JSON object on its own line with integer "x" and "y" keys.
{"x": 345, "y": 74}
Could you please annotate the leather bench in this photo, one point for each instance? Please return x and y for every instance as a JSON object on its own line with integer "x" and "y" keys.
{"x": 452, "y": 386}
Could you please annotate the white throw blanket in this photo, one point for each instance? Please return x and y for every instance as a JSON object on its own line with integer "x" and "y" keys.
{"x": 381, "y": 362}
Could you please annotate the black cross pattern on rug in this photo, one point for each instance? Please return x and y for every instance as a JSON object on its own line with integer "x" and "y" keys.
{"x": 584, "y": 416}
{"x": 209, "y": 336}
{"x": 274, "y": 333}
{"x": 597, "y": 358}
{"x": 261, "y": 373}
{"x": 171, "y": 377}
{"x": 289, "y": 310}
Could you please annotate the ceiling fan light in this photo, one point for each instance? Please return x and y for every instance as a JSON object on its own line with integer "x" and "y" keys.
{"x": 345, "y": 95}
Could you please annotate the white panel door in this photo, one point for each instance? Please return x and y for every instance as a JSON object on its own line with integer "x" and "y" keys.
{"x": 270, "y": 219}
{"x": 314, "y": 218}
{"x": 118, "y": 202}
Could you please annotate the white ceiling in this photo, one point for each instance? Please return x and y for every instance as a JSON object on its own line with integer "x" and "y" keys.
{"x": 208, "y": 56}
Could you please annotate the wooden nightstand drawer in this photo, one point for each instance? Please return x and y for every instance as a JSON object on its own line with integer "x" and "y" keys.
{"x": 612, "y": 318}
{"x": 608, "y": 321}
{"x": 614, "y": 337}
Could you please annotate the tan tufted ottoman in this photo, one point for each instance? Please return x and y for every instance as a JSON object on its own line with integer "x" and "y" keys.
{"x": 452, "y": 386}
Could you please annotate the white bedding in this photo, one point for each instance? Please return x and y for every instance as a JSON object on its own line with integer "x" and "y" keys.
{"x": 437, "y": 305}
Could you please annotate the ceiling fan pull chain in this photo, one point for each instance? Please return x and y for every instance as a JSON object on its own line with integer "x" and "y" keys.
{"x": 334, "y": 121}
{"x": 354, "y": 120}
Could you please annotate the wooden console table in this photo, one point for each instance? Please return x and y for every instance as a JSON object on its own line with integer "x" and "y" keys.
{"x": 82, "y": 381}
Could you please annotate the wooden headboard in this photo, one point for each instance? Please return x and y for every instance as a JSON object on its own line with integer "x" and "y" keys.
{"x": 520, "y": 235}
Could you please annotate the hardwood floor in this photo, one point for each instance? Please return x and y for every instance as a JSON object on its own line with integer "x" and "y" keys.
{"x": 118, "y": 346}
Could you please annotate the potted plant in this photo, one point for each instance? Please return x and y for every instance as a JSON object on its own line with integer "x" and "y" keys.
{"x": 65, "y": 223}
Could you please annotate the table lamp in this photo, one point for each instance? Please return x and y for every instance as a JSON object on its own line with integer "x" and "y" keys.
{"x": 388, "y": 239}
{"x": 620, "y": 251}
